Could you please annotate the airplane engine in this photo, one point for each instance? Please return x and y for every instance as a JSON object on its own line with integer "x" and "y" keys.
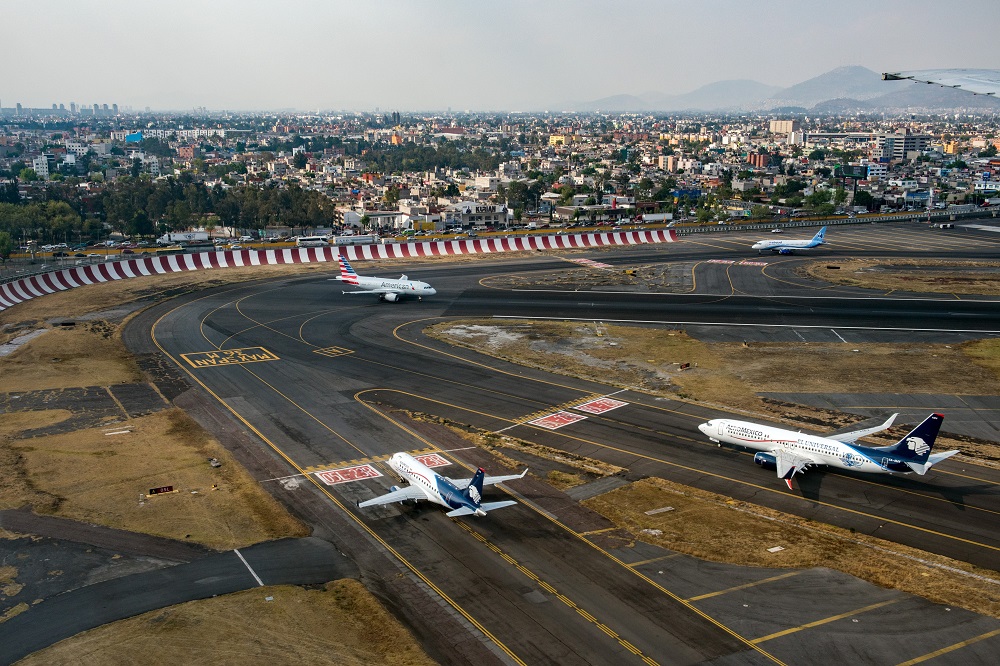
{"x": 392, "y": 298}
{"x": 765, "y": 460}
{"x": 784, "y": 251}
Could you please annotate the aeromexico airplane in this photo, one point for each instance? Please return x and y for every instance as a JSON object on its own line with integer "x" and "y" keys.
{"x": 464, "y": 497}
{"x": 387, "y": 289}
{"x": 791, "y": 452}
{"x": 786, "y": 246}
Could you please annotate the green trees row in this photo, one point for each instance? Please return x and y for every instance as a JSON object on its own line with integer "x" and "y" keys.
{"x": 140, "y": 207}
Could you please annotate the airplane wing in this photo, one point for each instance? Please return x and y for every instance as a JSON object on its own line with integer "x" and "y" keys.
{"x": 789, "y": 464}
{"x": 483, "y": 509}
{"x": 401, "y": 495}
{"x": 975, "y": 81}
{"x": 380, "y": 290}
{"x": 854, "y": 435}
{"x": 462, "y": 484}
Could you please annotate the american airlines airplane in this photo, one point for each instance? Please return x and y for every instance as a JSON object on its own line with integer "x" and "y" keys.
{"x": 464, "y": 497}
{"x": 786, "y": 246}
{"x": 387, "y": 289}
{"x": 790, "y": 452}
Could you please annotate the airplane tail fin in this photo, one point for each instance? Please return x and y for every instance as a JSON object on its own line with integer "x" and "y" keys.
{"x": 820, "y": 236}
{"x": 915, "y": 448}
{"x": 474, "y": 491}
{"x": 347, "y": 273}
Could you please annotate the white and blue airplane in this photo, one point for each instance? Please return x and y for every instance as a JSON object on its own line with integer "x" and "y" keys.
{"x": 786, "y": 246}
{"x": 463, "y": 497}
{"x": 387, "y": 289}
{"x": 790, "y": 453}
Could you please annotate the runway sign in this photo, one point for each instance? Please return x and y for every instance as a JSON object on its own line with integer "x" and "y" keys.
{"x": 432, "y": 460}
{"x": 214, "y": 359}
{"x": 332, "y": 477}
{"x": 557, "y": 420}
{"x": 600, "y": 405}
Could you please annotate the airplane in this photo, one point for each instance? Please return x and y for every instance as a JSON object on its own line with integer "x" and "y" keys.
{"x": 786, "y": 246}
{"x": 387, "y": 289}
{"x": 975, "y": 81}
{"x": 462, "y": 496}
{"x": 790, "y": 453}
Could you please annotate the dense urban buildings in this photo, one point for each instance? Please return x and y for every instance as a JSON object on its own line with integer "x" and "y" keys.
{"x": 90, "y": 172}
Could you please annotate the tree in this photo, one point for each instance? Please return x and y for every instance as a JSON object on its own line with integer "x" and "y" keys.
{"x": 817, "y": 155}
{"x": 760, "y": 212}
{"x": 28, "y": 175}
{"x": 6, "y": 246}
{"x": 865, "y": 199}
{"x": 136, "y": 168}
{"x": 839, "y": 196}
{"x": 299, "y": 161}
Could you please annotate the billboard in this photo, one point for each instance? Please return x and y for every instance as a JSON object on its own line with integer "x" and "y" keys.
{"x": 858, "y": 171}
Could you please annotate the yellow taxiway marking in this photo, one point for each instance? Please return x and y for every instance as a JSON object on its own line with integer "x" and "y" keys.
{"x": 826, "y": 620}
{"x": 561, "y": 597}
{"x": 654, "y": 559}
{"x": 399, "y": 556}
{"x": 333, "y": 351}
{"x": 555, "y": 521}
{"x": 601, "y": 531}
{"x": 663, "y": 461}
{"x": 223, "y": 357}
{"x": 951, "y": 648}
{"x": 744, "y": 586}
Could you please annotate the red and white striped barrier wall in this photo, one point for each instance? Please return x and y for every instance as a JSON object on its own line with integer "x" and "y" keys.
{"x": 18, "y": 291}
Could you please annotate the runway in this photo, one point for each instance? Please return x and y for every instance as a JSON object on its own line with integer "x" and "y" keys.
{"x": 317, "y": 377}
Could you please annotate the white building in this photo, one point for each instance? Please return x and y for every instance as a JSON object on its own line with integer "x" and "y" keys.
{"x": 41, "y": 167}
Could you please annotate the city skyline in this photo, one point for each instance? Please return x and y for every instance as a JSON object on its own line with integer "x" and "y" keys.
{"x": 524, "y": 56}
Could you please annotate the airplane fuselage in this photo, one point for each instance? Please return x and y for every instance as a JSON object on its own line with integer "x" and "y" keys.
{"x": 400, "y": 287}
{"x": 823, "y": 450}
{"x": 437, "y": 488}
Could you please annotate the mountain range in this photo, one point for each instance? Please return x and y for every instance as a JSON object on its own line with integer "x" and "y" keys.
{"x": 842, "y": 90}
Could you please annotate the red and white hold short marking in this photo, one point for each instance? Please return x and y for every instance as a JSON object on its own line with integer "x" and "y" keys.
{"x": 600, "y": 405}
{"x": 557, "y": 420}
{"x": 332, "y": 477}
{"x": 432, "y": 460}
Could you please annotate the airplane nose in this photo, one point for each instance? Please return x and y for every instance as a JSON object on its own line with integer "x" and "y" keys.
{"x": 432, "y": 291}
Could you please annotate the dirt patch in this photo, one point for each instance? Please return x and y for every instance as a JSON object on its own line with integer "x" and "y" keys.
{"x": 720, "y": 529}
{"x": 340, "y": 624}
{"x": 646, "y": 359}
{"x": 96, "y": 477}
{"x": 89, "y": 354}
{"x": 913, "y": 275}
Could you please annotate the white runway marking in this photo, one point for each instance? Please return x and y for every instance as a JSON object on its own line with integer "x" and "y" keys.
{"x": 249, "y": 568}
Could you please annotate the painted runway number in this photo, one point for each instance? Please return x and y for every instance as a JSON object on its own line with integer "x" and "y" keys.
{"x": 557, "y": 420}
{"x": 432, "y": 460}
{"x": 600, "y": 405}
{"x": 332, "y": 477}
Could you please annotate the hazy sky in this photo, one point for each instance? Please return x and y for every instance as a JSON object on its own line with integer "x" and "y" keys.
{"x": 464, "y": 54}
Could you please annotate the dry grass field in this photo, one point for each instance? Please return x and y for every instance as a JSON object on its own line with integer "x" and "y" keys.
{"x": 716, "y": 528}
{"x": 94, "y": 477}
{"x": 342, "y": 624}
{"x": 914, "y": 275}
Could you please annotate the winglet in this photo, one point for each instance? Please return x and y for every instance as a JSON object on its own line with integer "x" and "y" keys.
{"x": 789, "y": 482}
